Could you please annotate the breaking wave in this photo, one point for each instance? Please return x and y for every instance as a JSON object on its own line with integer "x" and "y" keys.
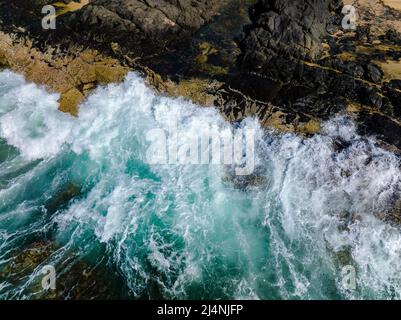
{"x": 191, "y": 231}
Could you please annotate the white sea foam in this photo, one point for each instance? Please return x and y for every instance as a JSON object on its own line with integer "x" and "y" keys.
{"x": 29, "y": 118}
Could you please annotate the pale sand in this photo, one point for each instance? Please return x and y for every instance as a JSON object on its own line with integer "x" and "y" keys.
{"x": 391, "y": 69}
{"x": 70, "y": 7}
{"x": 395, "y": 4}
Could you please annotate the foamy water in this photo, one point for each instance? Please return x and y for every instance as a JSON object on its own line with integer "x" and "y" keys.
{"x": 190, "y": 231}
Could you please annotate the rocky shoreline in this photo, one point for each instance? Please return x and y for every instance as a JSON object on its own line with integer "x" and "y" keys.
{"x": 323, "y": 70}
{"x": 290, "y": 63}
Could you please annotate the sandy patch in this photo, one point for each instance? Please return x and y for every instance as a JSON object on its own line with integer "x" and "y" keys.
{"x": 72, "y": 6}
{"x": 395, "y": 4}
{"x": 391, "y": 69}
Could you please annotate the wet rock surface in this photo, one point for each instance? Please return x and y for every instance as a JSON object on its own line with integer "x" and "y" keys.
{"x": 74, "y": 278}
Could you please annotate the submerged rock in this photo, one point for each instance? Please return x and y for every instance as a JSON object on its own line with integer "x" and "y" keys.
{"x": 393, "y": 214}
{"x": 24, "y": 263}
{"x": 74, "y": 279}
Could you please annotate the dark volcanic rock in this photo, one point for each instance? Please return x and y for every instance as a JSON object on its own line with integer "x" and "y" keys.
{"x": 373, "y": 73}
{"x": 284, "y": 28}
{"x": 282, "y": 36}
{"x": 382, "y": 126}
{"x": 141, "y": 26}
{"x": 319, "y": 68}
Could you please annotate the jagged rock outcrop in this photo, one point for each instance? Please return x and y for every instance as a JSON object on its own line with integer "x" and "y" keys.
{"x": 141, "y": 26}
{"x": 283, "y": 29}
{"x": 309, "y": 66}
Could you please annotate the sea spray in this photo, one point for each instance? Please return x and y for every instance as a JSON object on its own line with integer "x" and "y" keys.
{"x": 184, "y": 230}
